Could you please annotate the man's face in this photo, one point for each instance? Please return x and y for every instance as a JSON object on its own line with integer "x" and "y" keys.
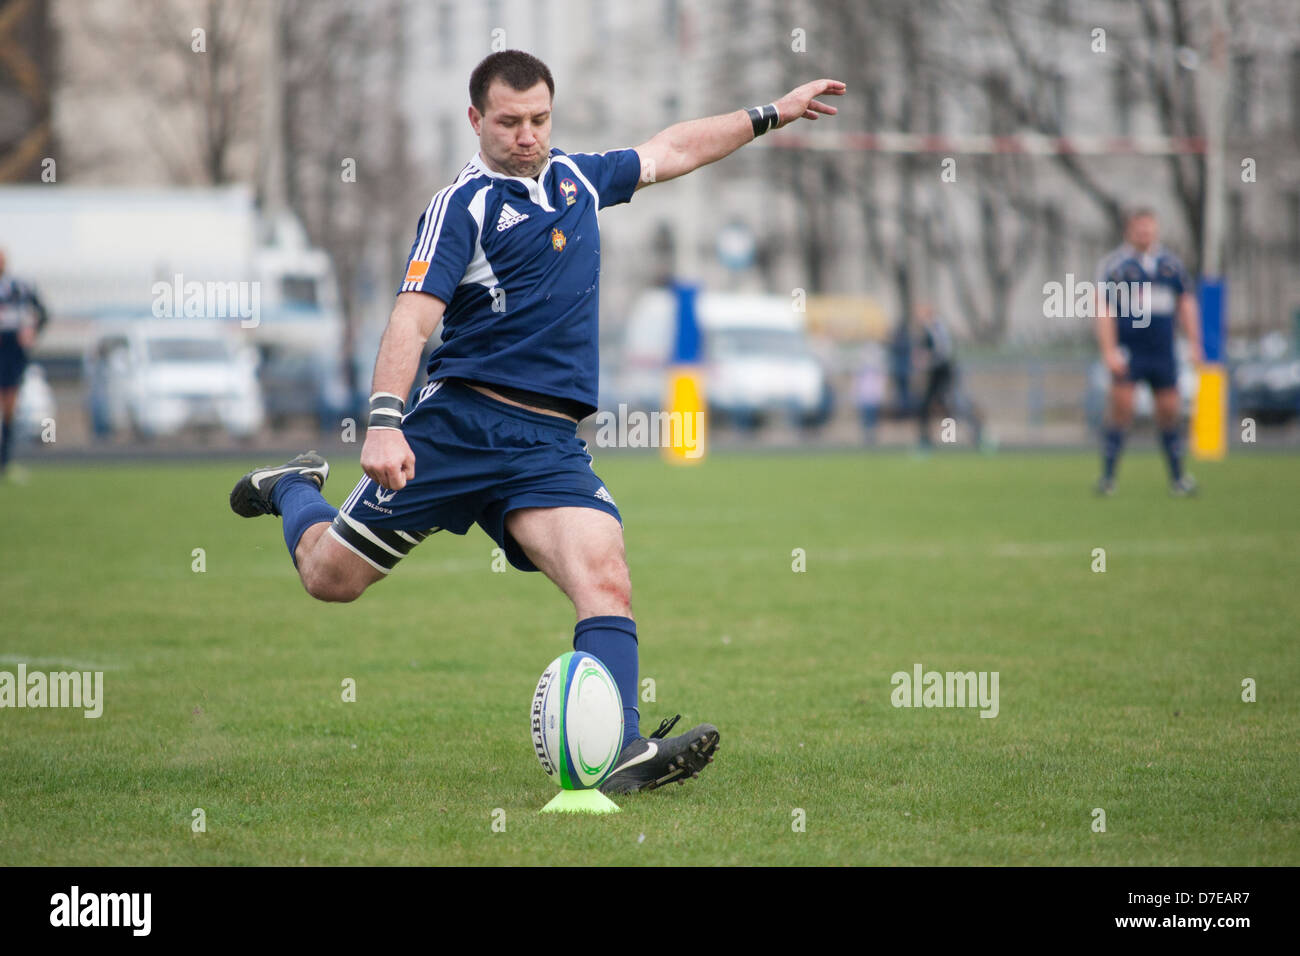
{"x": 514, "y": 133}
{"x": 1142, "y": 232}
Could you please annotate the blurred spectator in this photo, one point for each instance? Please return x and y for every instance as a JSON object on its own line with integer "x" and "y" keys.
{"x": 900, "y": 366}
{"x": 941, "y": 385}
{"x": 21, "y": 319}
{"x": 869, "y": 389}
{"x": 936, "y": 347}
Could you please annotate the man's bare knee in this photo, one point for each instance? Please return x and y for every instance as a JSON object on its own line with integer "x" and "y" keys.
{"x": 581, "y": 550}
{"x": 1121, "y": 407}
{"x": 326, "y": 578}
{"x": 1168, "y": 408}
{"x": 607, "y": 589}
{"x": 326, "y": 586}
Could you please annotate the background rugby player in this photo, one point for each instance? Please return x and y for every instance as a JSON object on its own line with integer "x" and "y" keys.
{"x": 507, "y": 258}
{"x": 22, "y": 316}
{"x": 1139, "y": 346}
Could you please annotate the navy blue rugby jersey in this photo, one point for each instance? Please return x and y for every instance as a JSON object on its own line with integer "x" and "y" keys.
{"x": 1153, "y": 332}
{"x": 517, "y": 261}
{"x": 18, "y": 302}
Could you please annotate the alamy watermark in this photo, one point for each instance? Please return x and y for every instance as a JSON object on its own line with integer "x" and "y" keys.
{"x": 1078, "y": 299}
{"x": 638, "y": 429}
{"x": 82, "y": 689}
{"x": 75, "y": 908}
{"x": 923, "y": 688}
{"x": 180, "y": 299}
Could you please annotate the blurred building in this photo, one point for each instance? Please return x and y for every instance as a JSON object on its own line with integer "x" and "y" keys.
{"x": 130, "y": 106}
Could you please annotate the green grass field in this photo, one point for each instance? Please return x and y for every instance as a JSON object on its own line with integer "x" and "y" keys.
{"x": 1120, "y": 690}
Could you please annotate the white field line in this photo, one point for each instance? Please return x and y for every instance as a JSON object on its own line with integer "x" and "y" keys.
{"x": 57, "y": 663}
{"x": 938, "y": 551}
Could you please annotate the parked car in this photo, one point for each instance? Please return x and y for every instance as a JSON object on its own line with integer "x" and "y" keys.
{"x": 298, "y": 384}
{"x": 35, "y": 403}
{"x": 758, "y": 360}
{"x": 1267, "y": 390}
{"x": 157, "y": 378}
{"x": 755, "y": 372}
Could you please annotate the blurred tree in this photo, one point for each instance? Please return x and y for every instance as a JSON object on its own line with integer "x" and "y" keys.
{"x": 347, "y": 169}
{"x": 1011, "y": 68}
{"x": 186, "y": 68}
{"x": 26, "y": 65}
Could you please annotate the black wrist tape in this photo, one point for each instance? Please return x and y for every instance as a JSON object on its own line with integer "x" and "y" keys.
{"x": 763, "y": 118}
{"x": 385, "y": 411}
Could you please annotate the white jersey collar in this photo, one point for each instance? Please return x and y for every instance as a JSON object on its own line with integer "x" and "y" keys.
{"x": 536, "y": 187}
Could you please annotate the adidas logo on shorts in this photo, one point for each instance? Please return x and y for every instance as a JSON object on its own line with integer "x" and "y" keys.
{"x": 509, "y": 217}
{"x": 604, "y": 495}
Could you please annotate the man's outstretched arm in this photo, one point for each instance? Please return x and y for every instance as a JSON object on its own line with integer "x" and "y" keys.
{"x": 686, "y": 146}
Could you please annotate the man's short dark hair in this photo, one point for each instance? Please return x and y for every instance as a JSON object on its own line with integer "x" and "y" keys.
{"x": 520, "y": 70}
{"x": 1138, "y": 212}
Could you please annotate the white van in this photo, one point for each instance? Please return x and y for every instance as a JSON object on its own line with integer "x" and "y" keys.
{"x": 157, "y": 377}
{"x": 36, "y": 405}
{"x": 757, "y": 358}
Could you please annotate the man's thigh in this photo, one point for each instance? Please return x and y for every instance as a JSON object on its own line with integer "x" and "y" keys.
{"x": 330, "y": 571}
{"x": 1121, "y": 402}
{"x": 580, "y": 549}
{"x": 13, "y": 362}
{"x": 1168, "y": 404}
{"x": 457, "y": 461}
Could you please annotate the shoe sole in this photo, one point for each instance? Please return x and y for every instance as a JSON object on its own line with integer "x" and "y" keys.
{"x": 688, "y": 764}
{"x": 245, "y": 501}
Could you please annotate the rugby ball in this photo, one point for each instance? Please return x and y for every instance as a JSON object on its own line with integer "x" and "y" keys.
{"x": 577, "y": 721}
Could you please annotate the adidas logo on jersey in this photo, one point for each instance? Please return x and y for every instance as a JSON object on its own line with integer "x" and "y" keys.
{"x": 509, "y": 217}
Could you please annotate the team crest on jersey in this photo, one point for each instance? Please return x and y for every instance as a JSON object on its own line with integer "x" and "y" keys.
{"x": 557, "y": 240}
{"x": 570, "y": 191}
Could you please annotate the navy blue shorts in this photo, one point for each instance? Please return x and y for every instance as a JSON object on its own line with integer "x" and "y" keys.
{"x": 1158, "y": 371}
{"x": 476, "y": 460}
{"x": 13, "y": 360}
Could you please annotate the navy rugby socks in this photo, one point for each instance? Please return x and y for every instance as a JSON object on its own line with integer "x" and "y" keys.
{"x": 612, "y": 641}
{"x": 1173, "y": 453}
{"x": 1112, "y": 444}
{"x": 300, "y": 504}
